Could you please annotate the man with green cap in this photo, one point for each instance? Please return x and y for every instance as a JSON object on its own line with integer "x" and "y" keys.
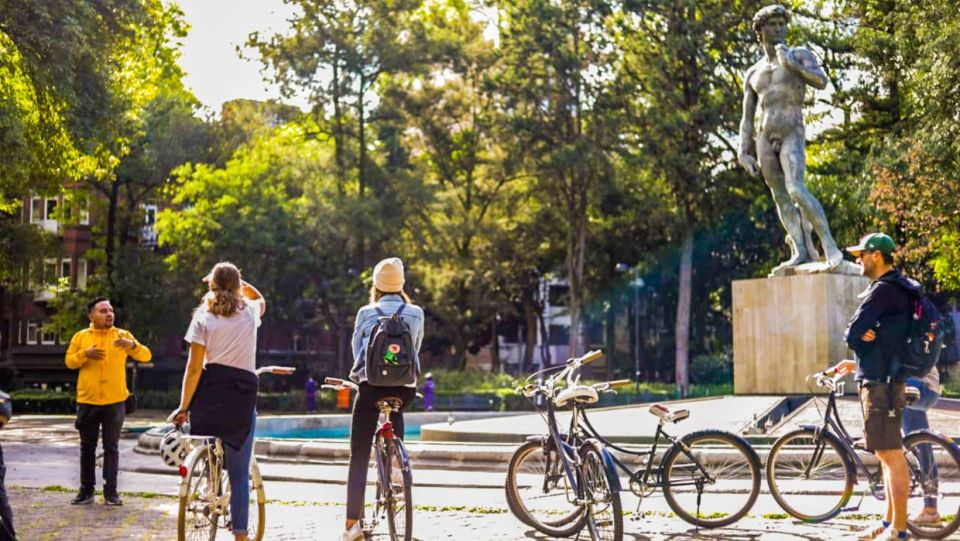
{"x": 877, "y": 334}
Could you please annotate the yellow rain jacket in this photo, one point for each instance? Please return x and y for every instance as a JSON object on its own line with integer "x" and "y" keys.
{"x": 103, "y": 382}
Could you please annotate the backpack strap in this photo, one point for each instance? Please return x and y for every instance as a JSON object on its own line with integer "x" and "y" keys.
{"x": 379, "y": 311}
{"x": 399, "y": 310}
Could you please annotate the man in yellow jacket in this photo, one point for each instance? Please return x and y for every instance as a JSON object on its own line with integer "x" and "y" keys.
{"x": 100, "y": 353}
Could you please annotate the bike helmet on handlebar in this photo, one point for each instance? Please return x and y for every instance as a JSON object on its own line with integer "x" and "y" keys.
{"x": 173, "y": 448}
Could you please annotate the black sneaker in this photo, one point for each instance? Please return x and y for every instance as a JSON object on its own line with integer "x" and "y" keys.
{"x": 83, "y": 498}
{"x": 112, "y": 499}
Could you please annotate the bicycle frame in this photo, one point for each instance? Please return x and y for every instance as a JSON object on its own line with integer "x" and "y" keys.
{"x": 643, "y": 474}
{"x": 832, "y": 423}
{"x": 215, "y": 460}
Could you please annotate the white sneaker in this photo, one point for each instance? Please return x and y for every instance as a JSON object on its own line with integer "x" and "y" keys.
{"x": 871, "y": 533}
{"x": 893, "y": 534}
{"x": 353, "y": 534}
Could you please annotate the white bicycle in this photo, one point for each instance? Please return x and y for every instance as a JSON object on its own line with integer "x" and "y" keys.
{"x": 205, "y": 488}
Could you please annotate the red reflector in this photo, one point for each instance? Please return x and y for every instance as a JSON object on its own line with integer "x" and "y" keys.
{"x": 183, "y": 470}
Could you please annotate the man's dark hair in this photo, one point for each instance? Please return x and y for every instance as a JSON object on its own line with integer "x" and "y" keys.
{"x": 887, "y": 258}
{"x": 94, "y": 302}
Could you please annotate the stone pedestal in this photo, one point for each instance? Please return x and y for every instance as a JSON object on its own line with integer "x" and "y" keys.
{"x": 785, "y": 328}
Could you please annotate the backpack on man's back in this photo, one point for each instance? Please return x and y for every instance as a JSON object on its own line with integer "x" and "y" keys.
{"x": 391, "y": 359}
{"x": 925, "y": 337}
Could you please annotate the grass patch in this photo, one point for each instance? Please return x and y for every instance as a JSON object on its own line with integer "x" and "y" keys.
{"x": 775, "y": 516}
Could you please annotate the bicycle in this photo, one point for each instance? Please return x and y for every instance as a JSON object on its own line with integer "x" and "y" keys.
{"x": 559, "y": 482}
{"x": 205, "y": 489}
{"x": 827, "y": 454}
{"x": 394, "y": 496}
{"x": 709, "y": 478}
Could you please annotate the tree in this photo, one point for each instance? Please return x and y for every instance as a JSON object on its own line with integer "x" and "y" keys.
{"x": 682, "y": 65}
{"x": 555, "y": 82}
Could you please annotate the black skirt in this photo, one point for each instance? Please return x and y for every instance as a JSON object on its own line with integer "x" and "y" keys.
{"x": 224, "y": 403}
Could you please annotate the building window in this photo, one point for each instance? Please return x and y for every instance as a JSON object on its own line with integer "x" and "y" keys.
{"x": 49, "y": 272}
{"x": 148, "y": 231}
{"x": 43, "y": 212}
{"x": 48, "y": 338}
{"x": 65, "y": 268}
{"x": 36, "y": 210}
{"x": 32, "y": 332}
{"x": 81, "y": 273}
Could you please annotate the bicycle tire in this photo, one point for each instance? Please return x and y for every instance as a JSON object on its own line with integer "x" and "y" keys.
{"x": 399, "y": 497}
{"x": 789, "y": 459}
{"x": 732, "y": 464}
{"x": 528, "y": 466}
{"x": 257, "y": 524}
{"x": 193, "y": 522}
{"x": 604, "y": 512}
{"x": 944, "y": 456}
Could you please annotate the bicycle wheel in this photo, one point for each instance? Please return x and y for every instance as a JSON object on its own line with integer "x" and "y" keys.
{"x": 711, "y": 479}
{"x": 256, "y": 524}
{"x": 604, "y": 513}
{"x": 810, "y": 476}
{"x": 934, "y": 464}
{"x": 398, "y": 498}
{"x": 195, "y": 520}
{"x": 538, "y": 492}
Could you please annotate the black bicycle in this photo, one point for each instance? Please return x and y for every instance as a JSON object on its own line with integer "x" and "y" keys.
{"x": 812, "y": 471}
{"x": 709, "y": 478}
{"x": 557, "y": 483}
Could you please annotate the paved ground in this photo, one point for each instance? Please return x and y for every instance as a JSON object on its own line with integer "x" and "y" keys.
{"x": 306, "y": 500}
{"x": 42, "y": 515}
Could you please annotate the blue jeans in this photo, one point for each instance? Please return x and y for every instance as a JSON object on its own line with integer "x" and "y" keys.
{"x": 915, "y": 418}
{"x": 238, "y": 470}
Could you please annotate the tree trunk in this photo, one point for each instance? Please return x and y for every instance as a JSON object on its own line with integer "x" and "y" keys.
{"x": 530, "y": 327}
{"x": 682, "y": 359}
{"x": 494, "y": 347}
{"x": 110, "y": 249}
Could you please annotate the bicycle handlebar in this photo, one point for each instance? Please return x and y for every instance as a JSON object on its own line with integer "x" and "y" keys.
{"x": 279, "y": 370}
{"x": 337, "y": 384}
{"x": 588, "y": 358}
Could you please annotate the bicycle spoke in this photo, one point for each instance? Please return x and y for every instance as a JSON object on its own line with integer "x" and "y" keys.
{"x": 934, "y": 499}
{"x": 715, "y": 482}
{"x": 808, "y": 475}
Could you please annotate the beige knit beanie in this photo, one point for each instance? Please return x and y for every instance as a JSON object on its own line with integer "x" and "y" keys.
{"x": 388, "y": 275}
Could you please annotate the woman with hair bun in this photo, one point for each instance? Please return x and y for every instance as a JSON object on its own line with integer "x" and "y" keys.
{"x": 220, "y": 382}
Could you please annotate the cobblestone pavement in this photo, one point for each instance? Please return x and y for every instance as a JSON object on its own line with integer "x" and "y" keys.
{"x": 45, "y": 515}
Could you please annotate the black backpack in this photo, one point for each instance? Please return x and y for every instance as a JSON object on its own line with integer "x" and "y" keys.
{"x": 924, "y": 338}
{"x": 391, "y": 361}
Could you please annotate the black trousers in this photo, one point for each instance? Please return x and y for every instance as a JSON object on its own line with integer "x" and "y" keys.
{"x": 90, "y": 420}
{"x": 363, "y": 428}
{"x": 6, "y": 514}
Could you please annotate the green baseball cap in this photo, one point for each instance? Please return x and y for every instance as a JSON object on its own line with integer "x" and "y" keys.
{"x": 874, "y": 242}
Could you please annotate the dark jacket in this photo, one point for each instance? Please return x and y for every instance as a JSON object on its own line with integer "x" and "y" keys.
{"x": 223, "y": 404}
{"x": 886, "y": 308}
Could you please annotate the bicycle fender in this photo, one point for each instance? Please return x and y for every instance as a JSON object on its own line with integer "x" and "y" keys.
{"x": 610, "y": 467}
{"x": 539, "y": 438}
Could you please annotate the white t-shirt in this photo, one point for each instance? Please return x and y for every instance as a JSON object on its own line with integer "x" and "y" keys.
{"x": 231, "y": 341}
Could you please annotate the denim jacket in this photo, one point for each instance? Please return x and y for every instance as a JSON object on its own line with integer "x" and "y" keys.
{"x": 366, "y": 319}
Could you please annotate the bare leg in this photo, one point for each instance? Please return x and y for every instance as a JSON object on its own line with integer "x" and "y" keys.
{"x": 895, "y": 466}
{"x": 792, "y": 157}
{"x": 788, "y": 212}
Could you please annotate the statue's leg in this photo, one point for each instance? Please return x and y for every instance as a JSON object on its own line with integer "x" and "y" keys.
{"x": 793, "y": 160}
{"x": 786, "y": 209}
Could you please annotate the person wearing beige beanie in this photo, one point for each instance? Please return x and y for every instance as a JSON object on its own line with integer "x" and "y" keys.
{"x": 387, "y": 296}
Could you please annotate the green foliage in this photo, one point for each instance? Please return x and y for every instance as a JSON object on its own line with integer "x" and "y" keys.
{"x": 714, "y": 369}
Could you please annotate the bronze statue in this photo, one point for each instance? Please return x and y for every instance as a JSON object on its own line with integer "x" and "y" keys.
{"x": 777, "y": 151}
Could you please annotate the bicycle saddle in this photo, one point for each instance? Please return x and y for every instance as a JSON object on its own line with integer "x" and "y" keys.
{"x": 668, "y": 416}
{"x": 580, "y": 394}
{"x": 391, "y": 402}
